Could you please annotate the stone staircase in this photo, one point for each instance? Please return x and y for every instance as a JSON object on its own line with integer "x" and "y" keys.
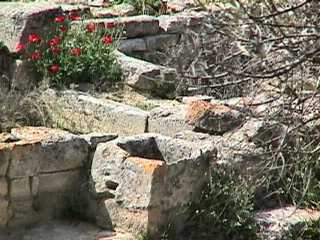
{"x": 150, "y": 163}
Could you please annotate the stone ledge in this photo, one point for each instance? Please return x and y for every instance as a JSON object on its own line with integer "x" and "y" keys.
{"x": 135, "y": 26}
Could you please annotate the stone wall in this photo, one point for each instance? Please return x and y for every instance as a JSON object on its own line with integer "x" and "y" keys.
{"x": 40, "y": 170}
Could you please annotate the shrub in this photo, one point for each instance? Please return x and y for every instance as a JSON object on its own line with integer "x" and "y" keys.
{"x": 68, "y": 54}
{"x": 225, "y": 208}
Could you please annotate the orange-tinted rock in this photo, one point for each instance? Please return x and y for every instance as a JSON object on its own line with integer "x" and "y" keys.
{"x": 213, "y": 118}
{"x": 141, "y": 182}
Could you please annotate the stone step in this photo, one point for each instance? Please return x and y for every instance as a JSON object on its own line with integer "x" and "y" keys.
{"x": 70, "y": 230}
{"x": 148, "y": 77}
{"x": 83, "y": 113}
{"x": 135, "y": 26}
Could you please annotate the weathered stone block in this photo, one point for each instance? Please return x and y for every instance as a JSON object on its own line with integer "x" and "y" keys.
{"x": 23, "y": 76}
{"x": 161, "y": 41}
{"x": 85, "y": 113}
{"x": 3, "y": 187}
{"x": 23, "y": 213}
{"x": 148, "y": 77}
{"x": 213, "y": 118}
{"x": 133, "y": 45}
{"x": 135, "y": 26}
{"x": 20, "y": 189}
{"x": 119, "y": 10}
{"x": 59, "y": 150}
{"x": 168, "y": 120}
{"x": 25, "y": 157}
{"x": 4, "y": 212}
{"x": 144, "y": 180}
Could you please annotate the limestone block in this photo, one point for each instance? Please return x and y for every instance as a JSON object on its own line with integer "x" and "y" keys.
{"x": 85, "y": 113}
{"x": 168, "y": 120}
{"x": 147, "y": 175}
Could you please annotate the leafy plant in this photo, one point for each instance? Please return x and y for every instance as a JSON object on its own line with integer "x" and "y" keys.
{"x": 225, "y": 208}
{"x": 294, "y": 169}
{"x": 68, "y": 54}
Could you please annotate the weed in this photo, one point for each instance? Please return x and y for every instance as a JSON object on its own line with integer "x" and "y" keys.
{"x": 225, "y": 209}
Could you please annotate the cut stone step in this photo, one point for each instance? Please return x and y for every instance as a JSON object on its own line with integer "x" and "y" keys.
{"x": 135, "y": 26}
{"x": 153, "y": 178}
{"x": 146, "y": 76}
{"x": 80, "y": 112}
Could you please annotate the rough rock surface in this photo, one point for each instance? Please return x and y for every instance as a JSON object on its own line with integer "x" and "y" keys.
{"x": 168, "y": 120}
{"x": 148, "y": 77}
{"x": 67, "y": 230}
{"x": 83, "y": 113}
{"x": 120, "y": 10}
{"x": 18, "y": 20}
{"x": 40, "y": 169}
{"x": 135, "y": 26}
{"x": 275, "y": 222}
{"x": 141, "y": 182}
{"x": 213, "y": 118}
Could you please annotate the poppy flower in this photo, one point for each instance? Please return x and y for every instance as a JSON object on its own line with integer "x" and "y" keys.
{"x": 54, "y": 69}
{"x": 34, "y": 38}
{"x": 91, "y": 27}
{"x": 74, "y": 18}
{"x": 36, "y": 55}
{"x": 20, "y": 47}
{"x": 110, "y": 25}
{"x": 107, "y": 39}
{"x": 59, "y": 19}
{"x": 55, "y": 50}
{"x": 75, "y": 52}
{"x": 63, "y": 28}
{"x": 54, "y": 41}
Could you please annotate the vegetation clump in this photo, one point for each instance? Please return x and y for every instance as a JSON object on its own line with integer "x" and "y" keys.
{"x": 73, "y": 54}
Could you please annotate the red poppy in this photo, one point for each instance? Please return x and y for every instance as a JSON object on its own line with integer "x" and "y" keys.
{"x": 59, "y": 19}
{"x": 34, "y": 38}
{"x": 36, "y": 55}
{"x": 54, "y": 41}
{"x": 107, "y": 39}
{"x": 54, "y": 69}
{"x": 110, "y": 25}
{"x": 91, "y": 26}
{"x": 75, "y": 52}
{"x": 74, "y": 18}
{"x": 55, "y": 50}
{"x": 63, "y": 28}
{"x": 20, "y": 47}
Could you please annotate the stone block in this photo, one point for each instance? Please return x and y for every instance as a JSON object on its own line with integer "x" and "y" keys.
{"x": 144, "y": 180}
{"x": 20, "y": 189}
{"x": 213, "y": 118}
{"x": 148, "y": 77}
{"x": 134, "y": 26}
{"x": 3, "y": 187}
{"x": 168, "y": 120}
{"x": 4, "y": 212}
{"x": 85, "y": 113}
